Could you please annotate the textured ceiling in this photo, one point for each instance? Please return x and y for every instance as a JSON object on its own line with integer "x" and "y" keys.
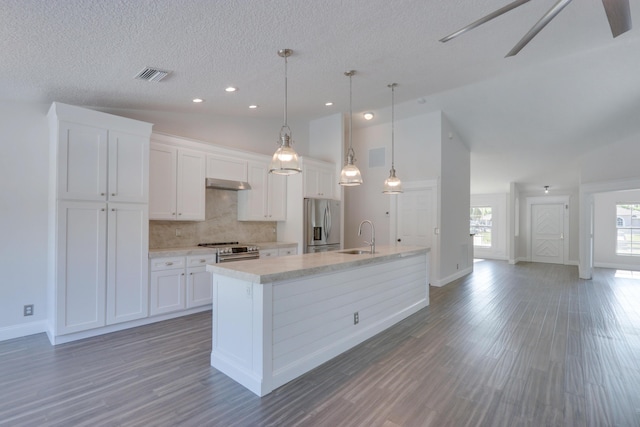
{"x": 571, "y": 89}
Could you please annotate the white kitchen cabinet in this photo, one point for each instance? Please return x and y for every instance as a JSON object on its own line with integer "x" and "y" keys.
{"x": 127, "y": 262}
{"x": 199, "y": 285}
{"x": 229, "y": 168}
{"x": 80, "y": 292}
{"x": 98, "y": 212}
{"x": 178, "y": 283}
{"x": 267, "y": 199}
{"x": 268, "y": 253}
{"x": 287, "y": 251}
{"x": 176, "y": 187}
{"x": 319, "y": 179}
{"x": 100, "y": 164}
{"x": 167, "y": 291}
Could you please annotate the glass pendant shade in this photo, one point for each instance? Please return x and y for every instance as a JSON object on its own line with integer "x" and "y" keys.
{"x": 392, "y": 185}
{"x": 350, "y": 175}
{"x": 285, "y": 159}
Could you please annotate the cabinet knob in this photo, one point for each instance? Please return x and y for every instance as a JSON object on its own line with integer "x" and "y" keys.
{"x": 180, "y": 213}
{"x": 113, "y": 209}
{"x": 399, "y": 240}
{"x": 113, "y": 194}
{"x": 168, "y": 263}
{"x": 173, "y": 213}
{"x": 102, "y": 209}
{"x": 203, "y": 260}
{"x": 190, "y": 274}
{"x": 182, "y": 274}
{"x": 102, "y": 194}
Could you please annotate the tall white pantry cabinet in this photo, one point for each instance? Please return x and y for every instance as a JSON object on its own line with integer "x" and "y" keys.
{"x": 98, "y": 220}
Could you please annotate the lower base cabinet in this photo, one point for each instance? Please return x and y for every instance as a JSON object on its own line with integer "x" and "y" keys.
{"x": 179, "y": 283}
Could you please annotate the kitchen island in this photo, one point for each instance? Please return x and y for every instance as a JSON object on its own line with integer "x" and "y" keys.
{"x": 276, "y": 319}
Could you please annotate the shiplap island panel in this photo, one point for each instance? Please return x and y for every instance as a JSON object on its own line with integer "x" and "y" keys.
{"x": 276, "y": 319}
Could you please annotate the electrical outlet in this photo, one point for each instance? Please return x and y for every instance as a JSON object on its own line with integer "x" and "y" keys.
{"x": 178, "y": 232}
{"x": 356, "y": 318}
{"x": 457, "y": 268}
{"x": 28, "y": 310}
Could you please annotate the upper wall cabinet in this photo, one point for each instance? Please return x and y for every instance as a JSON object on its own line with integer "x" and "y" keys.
{"x": 100, "y": 164}
{"x": 267, "y": 199}
{"x": 224, "y": 167}
{"x": 319, "y": 179}
{"x": 176, "y": 187}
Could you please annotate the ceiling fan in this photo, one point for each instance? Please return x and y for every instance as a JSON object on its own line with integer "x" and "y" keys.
{"x": 618, "y": 14}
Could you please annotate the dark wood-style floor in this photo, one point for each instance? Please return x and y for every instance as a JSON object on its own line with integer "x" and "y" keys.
{"x": 529, "y": 344}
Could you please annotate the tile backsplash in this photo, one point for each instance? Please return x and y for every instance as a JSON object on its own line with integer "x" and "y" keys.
{"x": 220, "y": 225}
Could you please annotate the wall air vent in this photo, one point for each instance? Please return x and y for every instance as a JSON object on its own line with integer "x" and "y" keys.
{"x": 150, "y": 74}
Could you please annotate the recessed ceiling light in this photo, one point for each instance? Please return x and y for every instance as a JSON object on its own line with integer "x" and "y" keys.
{"x": 231, "y": 89}
{"x": 368, "y": 116}
{"x": 198, "y": 100}
{"x": 328, "y": 104}
{"x": 253, "y": 107}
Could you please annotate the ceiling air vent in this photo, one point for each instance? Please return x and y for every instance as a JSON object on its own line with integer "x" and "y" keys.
{"x": 152, "y": 74}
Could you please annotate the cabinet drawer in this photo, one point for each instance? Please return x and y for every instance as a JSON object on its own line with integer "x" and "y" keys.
{"x": 287, "y": 251}
{"x": 201, "y": 260}
{"x": 264, "y": 253}
{"x": 158, "y": 264}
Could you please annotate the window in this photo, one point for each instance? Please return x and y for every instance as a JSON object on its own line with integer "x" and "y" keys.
{"x": 480, "y": 225}
{"x": 628, "y": 227}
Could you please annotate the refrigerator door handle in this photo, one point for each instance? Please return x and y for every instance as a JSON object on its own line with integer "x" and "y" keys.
{"x": 327, "y": 223}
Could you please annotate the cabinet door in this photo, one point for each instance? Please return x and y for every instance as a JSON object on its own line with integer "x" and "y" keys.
{"x": 190, "y": 183}
{"x": 81, "y": 266}
{"x": 199, "y": 287}
{"x": 277, "y": 198}
{"x": 127, "y": 262}
{"x": 82, "y": 162}
{"x": 326, "y": 183}
{"x": 128, "y": 168}
{"x": 311, "y": 177}
{"x": 252, "y": 204}
{"x": 287, "y": 251}
{"x": 223, "y": 167}
{"x": 167, "y": 291}
{"x": 162, "y": 182}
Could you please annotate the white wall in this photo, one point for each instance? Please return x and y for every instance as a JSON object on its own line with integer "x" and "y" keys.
{"x": 615, "y": 161}
{"x": 24, "y": 173}
{"x": 455, "y": 189}
{"x": 417, "y": 157}
{"x": 499, "y": 214}
{"x": 605, "y": 233}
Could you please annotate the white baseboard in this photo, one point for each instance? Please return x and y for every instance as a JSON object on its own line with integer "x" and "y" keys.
{"x": 61, "y": 339}
{"x": 19, "y": 331}
{"x": 513, "y": 261}
{"x": 458, "y": 274}
{"x": 616, "y": 266}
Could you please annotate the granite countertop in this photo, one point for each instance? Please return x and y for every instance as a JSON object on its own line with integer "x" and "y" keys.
{"x": 199, "y": 250}
{"x": 293, "y": 266}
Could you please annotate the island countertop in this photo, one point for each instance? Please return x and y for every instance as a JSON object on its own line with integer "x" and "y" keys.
{"x": 271, "y": 270}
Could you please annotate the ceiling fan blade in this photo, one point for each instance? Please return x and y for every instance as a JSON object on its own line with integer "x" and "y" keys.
{"x": 487, "y": 18}
{"x": 619, "y": 15}
{"x": 555, "y": 10}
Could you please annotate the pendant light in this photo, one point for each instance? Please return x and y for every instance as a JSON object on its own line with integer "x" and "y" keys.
{"x": 285, "y": 159}
{"x": 350, "y": 175}
{"x": 392, "y": 185}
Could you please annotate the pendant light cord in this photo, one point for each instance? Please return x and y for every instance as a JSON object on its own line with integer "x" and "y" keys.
{"x": 392, "y": 86}
{"x": 285, "y": 130}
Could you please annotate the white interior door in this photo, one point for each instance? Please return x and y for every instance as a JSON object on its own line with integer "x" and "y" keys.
{"x": 415, "y": 217}
{"x": 547, "y": 233}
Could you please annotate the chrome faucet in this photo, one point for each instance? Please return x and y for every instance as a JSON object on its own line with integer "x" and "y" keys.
{"x": 373, "y": 235}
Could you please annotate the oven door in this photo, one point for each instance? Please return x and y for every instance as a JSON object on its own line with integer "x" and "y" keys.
{"x": 237, "y": 257}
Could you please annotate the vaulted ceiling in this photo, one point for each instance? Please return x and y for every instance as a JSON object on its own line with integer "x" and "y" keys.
{"x": 526, "y": 118}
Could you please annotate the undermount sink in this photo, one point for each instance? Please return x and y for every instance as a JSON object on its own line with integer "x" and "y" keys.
{"x": 356, "y": 252}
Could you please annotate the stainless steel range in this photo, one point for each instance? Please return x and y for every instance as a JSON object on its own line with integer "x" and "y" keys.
{"x": 233, "y": 251}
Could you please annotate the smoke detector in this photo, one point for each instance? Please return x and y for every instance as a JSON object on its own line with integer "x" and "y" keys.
{"x": 151, "y": 74}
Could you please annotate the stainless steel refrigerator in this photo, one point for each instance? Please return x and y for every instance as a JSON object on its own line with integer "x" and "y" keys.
{"x": 321, "y": 225}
